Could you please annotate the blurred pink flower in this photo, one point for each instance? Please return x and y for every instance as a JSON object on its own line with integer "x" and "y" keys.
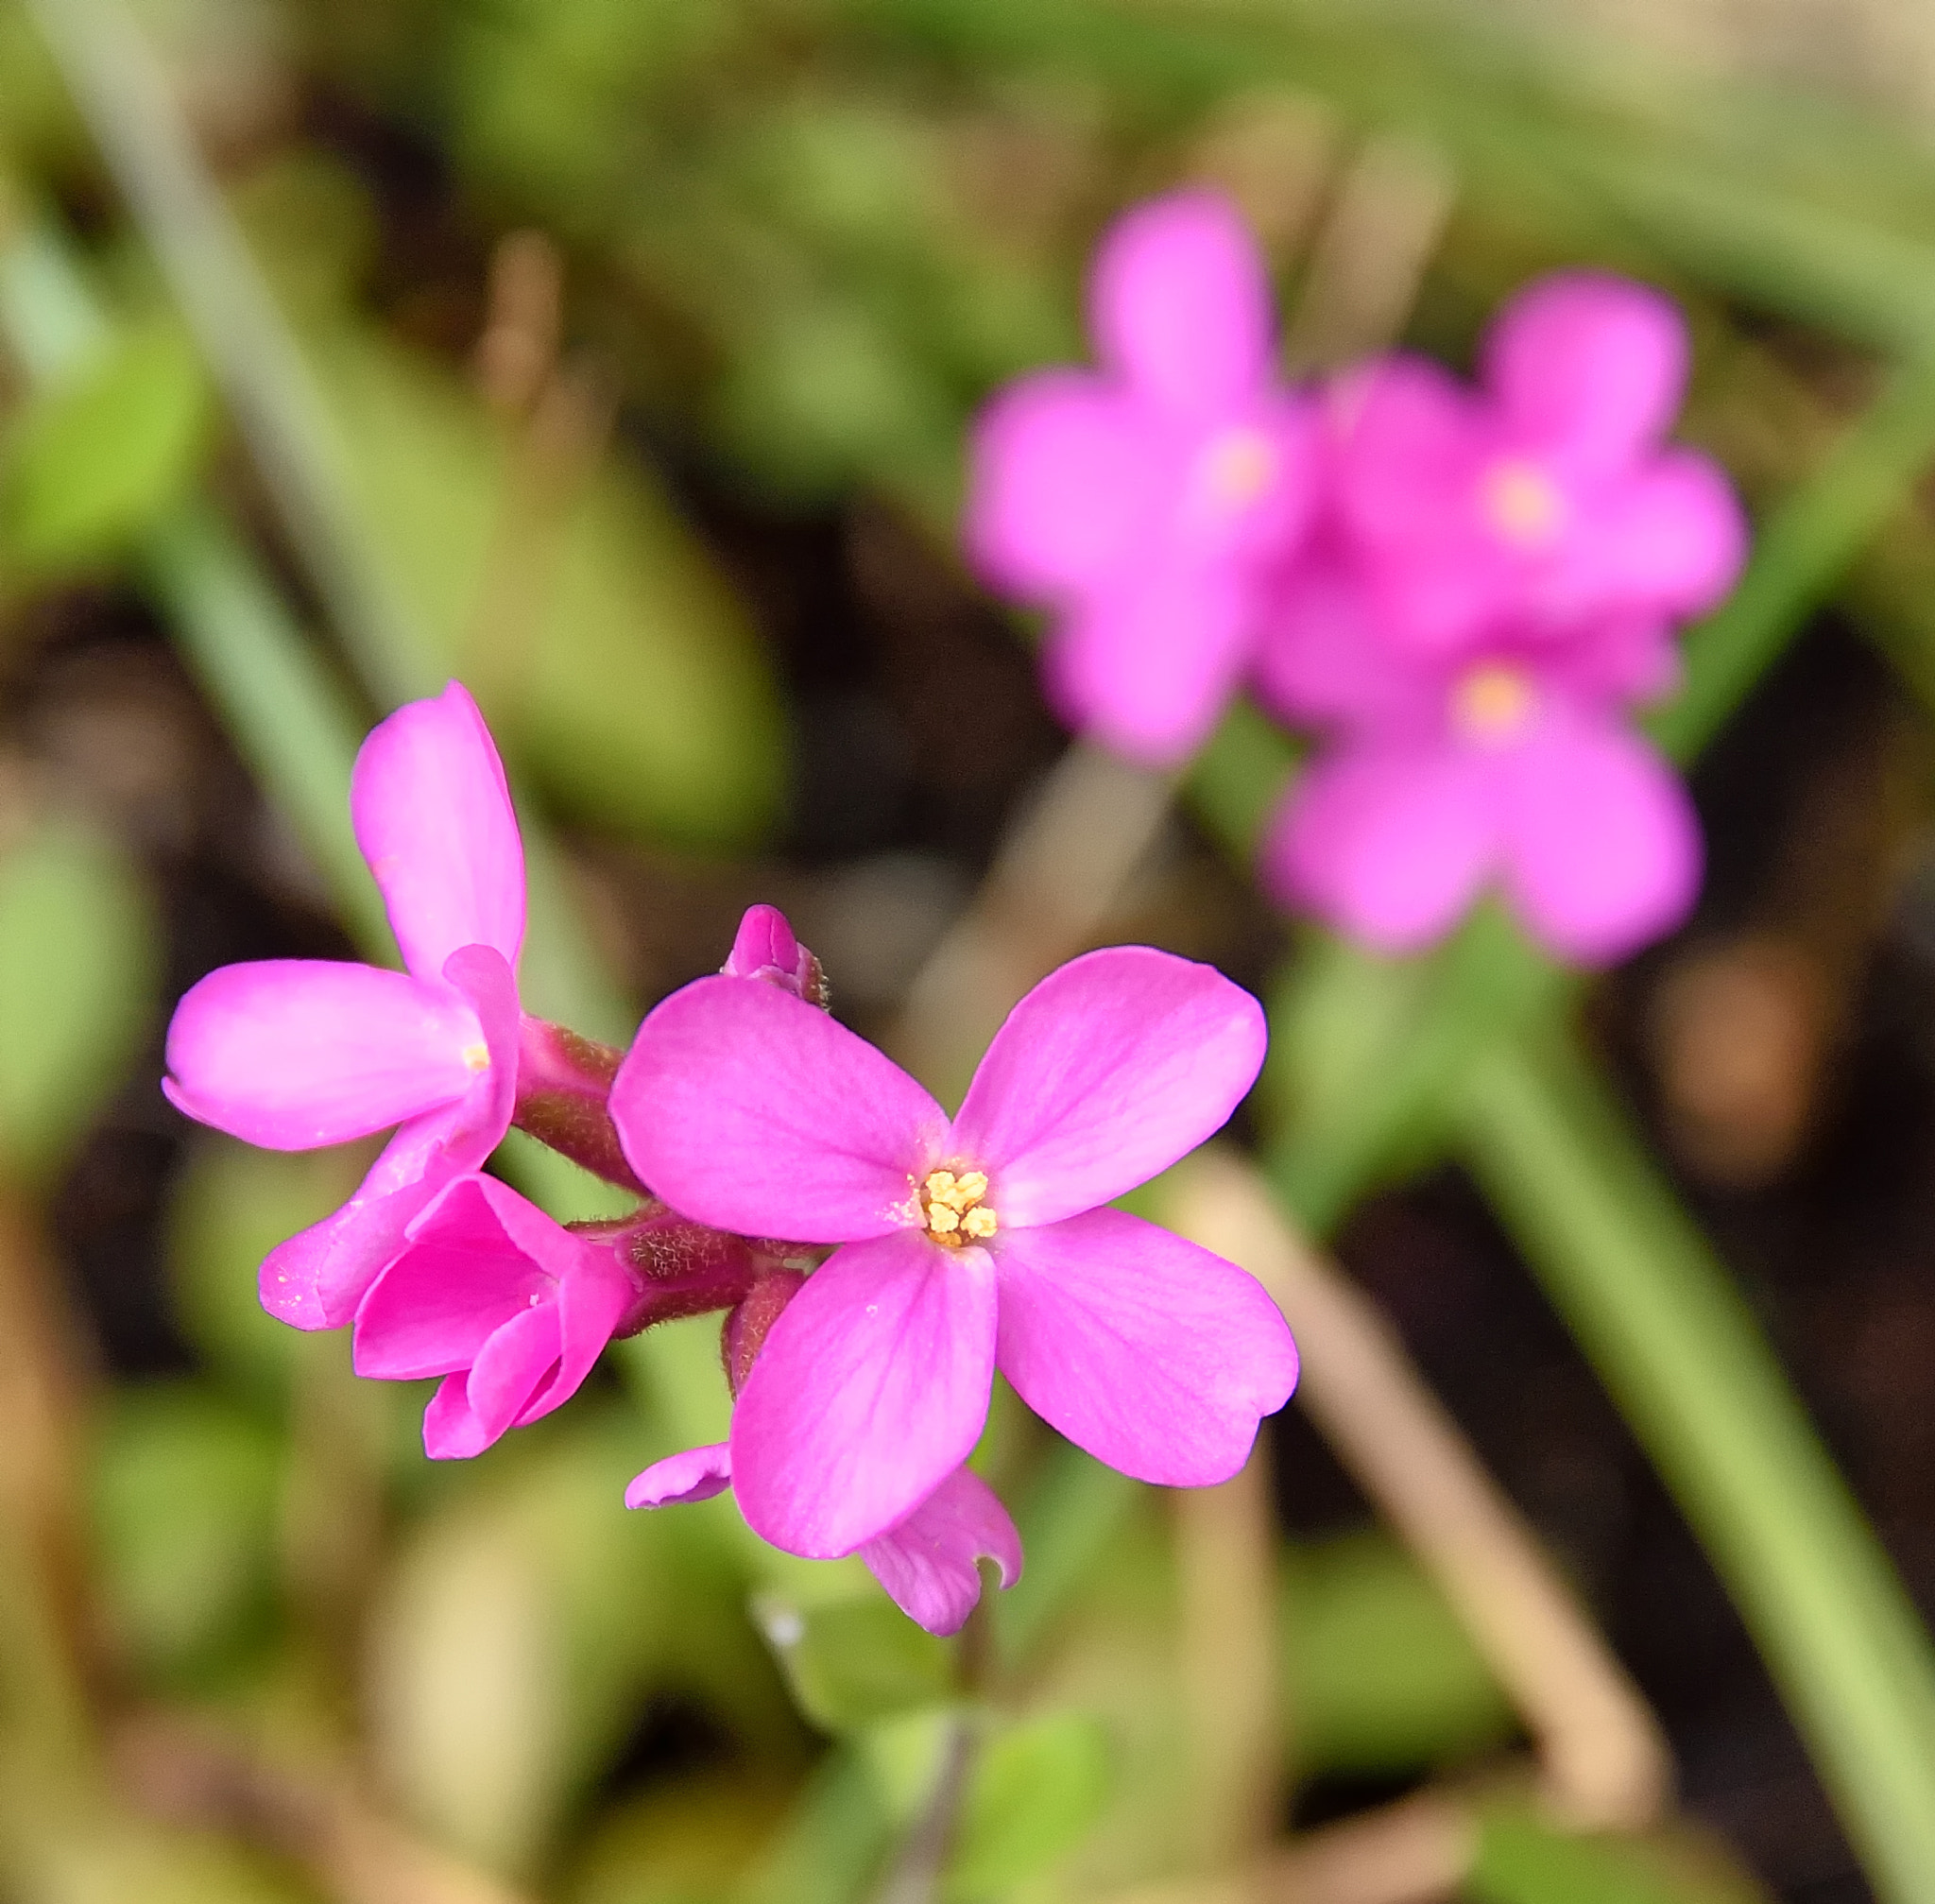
{"x": 1511, "y": 763}
{"x": 968, "y": 1243}
{"x": 927, "y": 1562}
{"x": 1543, "y": 502}
{"x": 509, "y": 1307}
{"x": 1146, "y": 505}
{"x": 293, "y": 1053}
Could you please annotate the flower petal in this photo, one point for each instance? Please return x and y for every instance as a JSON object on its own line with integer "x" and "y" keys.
{"x": 1147, "y": 668}
{"x": 592, "y": 1301}
{"x": 1066, "y": 477}
{"x": 470, "y": 1411}
{"x": 928, "y": 1563}
{"x": 1324, "y": 658}
{"x": 1155, "y": 1356}
{"x": 293, "y": 1053}
{"x": 749, "y": 1109}
{"x": 1602, "y": 848}
{"x": 1388, "y": 844}
{"x": 697, "y": 1474}
{"x": 1591, "y": 363}
{"x": 433, "y": 818}
{"x": 871, "y": 1390}
{"x": 1179, "y": 302}
{"x": 1107, "y": 1072}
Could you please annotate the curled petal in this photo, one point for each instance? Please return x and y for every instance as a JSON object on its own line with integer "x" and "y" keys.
{"x": 470, "y": 1412}
{"x": 697, "y": 1474}
{"x": 1155, "y": 1356}
{"x": 1179, "y": 302}
{"x": 1388, "y": 844}
{"x": 1110, "y": 1069}
{"x": 928, "y": 1563}
{"x": 871, "y": 1390}
{"x": 433, "y": 818}
{"x": 1602, "y": 848}
{"x": 295, "y": 1053}
{"x": 1065, "y": 477}
{"x": 1591, "y": 365}
{"x": 749, "y": 1109}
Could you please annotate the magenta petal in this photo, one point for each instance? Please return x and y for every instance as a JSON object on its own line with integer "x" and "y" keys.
{"x": 433, "y": 818}
{"x": 1065, "y": 477}
{"x": 591, "y": 1302}
{"x": 1672, "y": 541}
{"x": 1147, "y": 668}
{"x": 1591, "y": 363}
{"x": 697, "y": 1474}
{"x": 1388, "y": 845}
{"x": 871, "y": 1390}
{"x": 1603, "y": 851}
{"x": 510, "y": 1369}
{"x": 928, "y": 1563}
{"x": 1179, "y": 303}
{"x": 1155, "y": 1356}
{"x": 1324, "y": 657}
{"x": 481, "y": 973}
{"x": 1110, "y": 1069}
{"x": 293, "y": 1053}
{"x": 749, "y": 1109}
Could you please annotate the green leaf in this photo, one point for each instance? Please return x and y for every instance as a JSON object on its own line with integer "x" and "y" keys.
{"x": 100, "y": 455}
{"x": 75, "y": 982}
{"x": 185, "y": 1491}
{"x": 853, "y": 1662}
{"x": 1381, "y": 1678}
{"x": 1035, "y": 1791}
{"x": 1522, "y": 1860}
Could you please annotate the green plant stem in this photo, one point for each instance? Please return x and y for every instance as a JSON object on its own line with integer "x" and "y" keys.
{"x": 1676, "y": 1345}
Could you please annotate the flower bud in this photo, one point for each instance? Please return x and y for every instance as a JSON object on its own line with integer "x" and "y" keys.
{"x": 745, "y": 1330}
{"x": 765, "y": 949}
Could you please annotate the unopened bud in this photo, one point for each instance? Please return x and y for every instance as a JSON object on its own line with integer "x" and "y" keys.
{"x": 746, "y": 1328}
{"x": 766, "y": 950}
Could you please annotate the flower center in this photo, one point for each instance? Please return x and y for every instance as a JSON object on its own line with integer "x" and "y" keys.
{"x": 952, "y": 1207}
{"x": 477, "y": 1056}
{"x": 1238, "y": 467}
{"x": 1522, "y": 502}
{"x": 1492, "y": 703}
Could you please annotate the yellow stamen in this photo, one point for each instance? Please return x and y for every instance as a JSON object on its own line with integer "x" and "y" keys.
{"x": 951, "y": 1206}
{"x": 1238, "y": 467}
{"x": 1492, "y": 703}
{"x": 477, "y": 1056}
{"x": 1522, "y": 502}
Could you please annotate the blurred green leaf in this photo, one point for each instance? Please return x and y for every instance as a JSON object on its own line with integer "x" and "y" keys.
{"x": 853, "y": 1662}
{"x": 185, "y": 1492}
{"x": 1035, "y": 1791}
{"x": 99, "y": 454}
{"x": 76, "y": 984}
{"x": 606, "y": 650}
{"x": 1522, "y": 1860}
{"x": 691, "y": 1842}
{"x": 1380, "y": 1675}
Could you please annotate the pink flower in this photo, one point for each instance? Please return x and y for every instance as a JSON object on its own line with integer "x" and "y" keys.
{"x": 1544, "y": 501}
{"x": 1146, "y": 505}
{"x": 765, "y": 949}
{"x": 1511, "y": 763}
{"x": 968, "y": 1243}
{"x": 510, "y": 1309}
{"x": 927, "y": 1563}
{"x": 293, "y": 1053}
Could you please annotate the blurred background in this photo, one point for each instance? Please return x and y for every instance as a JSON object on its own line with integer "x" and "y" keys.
{"x": 616, "y": 355}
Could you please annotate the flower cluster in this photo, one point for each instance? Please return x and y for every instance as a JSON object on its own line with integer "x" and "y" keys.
{"x": 1462, "y": 591}
{"x": 875, "y": 1261}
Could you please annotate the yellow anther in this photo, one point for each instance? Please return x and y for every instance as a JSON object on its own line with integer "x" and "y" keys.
{"x": 477, "y": 1056}
{"x": 952, "y": 1208}
{"x": 1522, "y": 502}
{"x": 1492, "y": 703}
{"x": 1238, "y": 467}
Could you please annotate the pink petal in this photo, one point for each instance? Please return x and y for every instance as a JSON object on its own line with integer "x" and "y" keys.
{"x": 749, "y": 1109}
{"x": 1603, "y": 848}
{"x": 1065, "y": 475}
{"x": 697, "y": 1474}
{"x": 433, "y": 818}
{"x": 1180, "y": 306}
{"x": 1110, "y": 1069}
{"x": 1671, "y": 541}
{"x": 1324, "y": 658}
{"x": 1388, "y": 844}
{"x": 928, "y": 1563}
{"x": 293, "y": 1053}
{"x": 871, "y": 1390}
{"x": 1148, "y": 668}
{"x": 591, "y": 1302}
{"x": 470, "y": 1411}
{"x": 1593, "y": 363}
{"x": 1155, "y": 1356}
{"x": 1616, "y": 662}
{"x": 476, "y": 1258}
